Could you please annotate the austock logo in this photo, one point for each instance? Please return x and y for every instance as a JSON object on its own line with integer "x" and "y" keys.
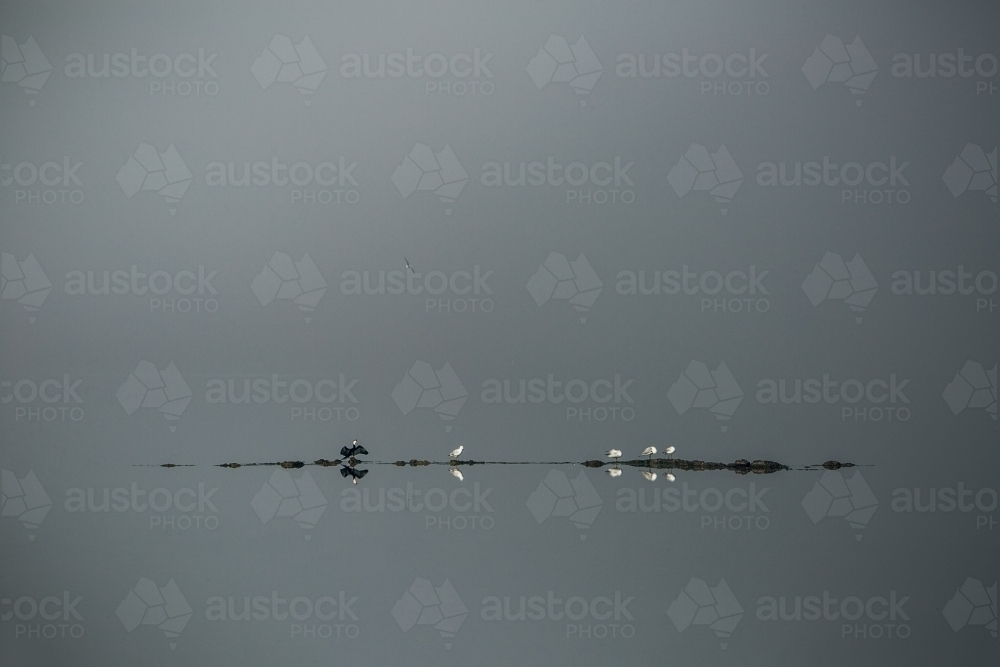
{"x": 25, "y": 65}
{"x": 700, "y": 387}
{"x": 185, "y": 291}
{"x": 973, "y": 387}
{"x": 860, "y": 401}
{"x": 49, "y": 400}
{"x": 456, "y": 509}
{"x": 735, "y": 509}
{"x": 948, "y": 65}
{"x": 860, "y": 182}
{"x": 835, "y": 62}
{"x": 699, "y": 604}
{"x": 423, "y": 387}
{"x": 147, "y": 387}
{"x": 426, "y": 604}
{"x": 561, "y": 280}
{"x": 24, "y": 282}
{"x": 329, "y": 182}
{"x": 50, "y": 617}
{"x": 715, "y": 173}
{"x": 458, "y": 75}
{"x": 579, "y": 613}
{"x": 302, "y": 610}
{"x": 148, "y": 170}
{"x": 559, "y": 62}
{"x": 162, "y": 606}
{"x": 833, "y": 279}
{"x": 307, "y": 399}
{"x": 425, "y": 170}
{"x": 744, "y": 74}
{"x": 49, "y": 182}
{"x": 958, "y": 282}
{"x": 182, "y": 75}
{"x": 837, "y": 496}
{"x": 947, "y": 499}
{"x": 973, "y": 604}
{"x": 598, "y": 182}
{"x": 283, "y": 495}
{"x": 874, "y": 182}
{"x": 603, "y": 399}
{"x": 716, "y": 291}
{"x": 858, "y": 617}
{"x": 284, "y": 62}
{"x": 283, "y": 279}
{"x": 973, "y": 170}
{"x": 557, "y": 495}
{"x": 461, "y": 291}
{"x": 182, "y": 509}
{"x": 24, "y": 499}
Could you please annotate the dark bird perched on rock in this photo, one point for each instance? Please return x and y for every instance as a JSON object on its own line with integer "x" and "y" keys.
{"x": 353, "y": 450}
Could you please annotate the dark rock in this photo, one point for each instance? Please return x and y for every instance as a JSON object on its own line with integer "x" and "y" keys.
{"x": 763, "y": 467}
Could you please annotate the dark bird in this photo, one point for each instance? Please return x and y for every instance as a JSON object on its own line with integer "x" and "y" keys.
{"x": 408, "y": 264}
{"x": 353, "y": 450}
{"x": 353, "y": 473}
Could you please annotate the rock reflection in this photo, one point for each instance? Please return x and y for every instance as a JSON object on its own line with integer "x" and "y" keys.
{"x": 349, "y": 464}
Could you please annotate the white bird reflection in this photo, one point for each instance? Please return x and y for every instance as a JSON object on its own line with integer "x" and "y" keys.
{"x": 348, "y": 465}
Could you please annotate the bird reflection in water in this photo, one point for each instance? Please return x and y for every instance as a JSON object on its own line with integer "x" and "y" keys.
{"x": 348, "y": 466}
{"x": 458, "y": 468}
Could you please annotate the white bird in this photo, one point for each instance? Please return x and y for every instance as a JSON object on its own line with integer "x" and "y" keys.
{"x": 669, "y": 477}
{"x": 614, "y": 472}
{"x": 669, "y": 450}
{"x": 455, "y": 453}
{"x": 651, "y": 476}
{"x": 649, "y": 451}
{"x": 457, "y": 473}
{"x": 614, "y": 454}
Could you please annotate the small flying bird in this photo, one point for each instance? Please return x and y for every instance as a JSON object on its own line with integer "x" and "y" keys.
{"x": 669, "y": 477}
{"x": 614, "y": 454}
{"x": 410, "y": 268}
{"x": 614, "y": 472}
{"x": 649, "y": 451}
{"x": 651, "y": 476}
{"x": 455, "y": 453}
{"x": 457, "y": 473}
{"x": 669, "y": 450}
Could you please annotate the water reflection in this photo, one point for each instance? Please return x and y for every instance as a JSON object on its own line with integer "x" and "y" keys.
{"x": 350, "y": 463}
